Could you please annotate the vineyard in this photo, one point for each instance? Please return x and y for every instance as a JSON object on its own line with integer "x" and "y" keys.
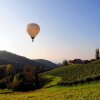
{"x": 76, "y": 74}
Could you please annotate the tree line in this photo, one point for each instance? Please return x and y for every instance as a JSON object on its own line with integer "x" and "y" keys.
{"x": 27, "y": 79}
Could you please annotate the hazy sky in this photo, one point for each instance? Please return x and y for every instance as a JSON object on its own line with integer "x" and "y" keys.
{"x": 69, "y": 28}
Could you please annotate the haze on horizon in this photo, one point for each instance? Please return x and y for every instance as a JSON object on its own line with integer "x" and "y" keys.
{"x": 69, "y": 28}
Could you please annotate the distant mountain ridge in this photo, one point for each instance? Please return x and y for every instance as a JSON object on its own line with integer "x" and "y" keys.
{"x": 47, "y": 63}
{"x": 20, "y": 61}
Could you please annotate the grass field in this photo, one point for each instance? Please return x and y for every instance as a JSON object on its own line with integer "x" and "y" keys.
{"x": 51, "y": 91}
{"x": 89, "y": 91}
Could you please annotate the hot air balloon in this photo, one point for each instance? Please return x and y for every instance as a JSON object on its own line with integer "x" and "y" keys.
{"x": 33, "y": 29}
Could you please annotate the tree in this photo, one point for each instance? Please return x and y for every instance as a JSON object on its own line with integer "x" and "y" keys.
{"x": 97, "y": 53}
{"x": 9, "y": 75}
{"x": 28, "y": 79}
{"x": 17, "y": 82}
{"x": 64, "y": 63}
{"x": 22, "y": 83}
{"x": 36, "y": 70}
{"x": 28, "y": 73}
{"x": 9, "y": 69}
{"x": 2, "y": 72}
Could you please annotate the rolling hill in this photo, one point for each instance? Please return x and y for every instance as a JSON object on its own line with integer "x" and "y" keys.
{"x": 64, "y": 76}
{"x": 77, "y": 73}
{"x": 20, "y": 61}
{"x": 47, "y": 63}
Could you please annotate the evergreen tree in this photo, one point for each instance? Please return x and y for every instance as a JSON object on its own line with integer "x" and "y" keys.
{"x": 97, "y": 53}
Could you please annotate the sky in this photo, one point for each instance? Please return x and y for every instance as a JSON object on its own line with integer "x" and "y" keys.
{"x": 69, "y": 29}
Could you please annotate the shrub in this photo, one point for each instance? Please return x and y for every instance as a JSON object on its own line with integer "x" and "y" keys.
{"x": 65, "y": 63}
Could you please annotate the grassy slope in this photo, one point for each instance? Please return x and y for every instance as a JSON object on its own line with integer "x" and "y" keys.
{"x": 81, "y": 92}
{"x": 51, "y": 91}
{"x": 54, "y": 81}
{"x": 74, "y": 73}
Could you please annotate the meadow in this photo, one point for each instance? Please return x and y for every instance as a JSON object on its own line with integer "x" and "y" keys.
{"x": 89, "y": 91}
{"x": 52, "y": 90}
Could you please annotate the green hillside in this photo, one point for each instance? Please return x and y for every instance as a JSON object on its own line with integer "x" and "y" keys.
{"x": 81, "y": 92}
{"x": 95, "y": 62}
{"x": 75, "y": 74}
{"x": 64, "y": 76}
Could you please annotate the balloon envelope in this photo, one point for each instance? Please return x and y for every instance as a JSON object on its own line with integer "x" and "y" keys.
{"x": 33, "y": 29}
